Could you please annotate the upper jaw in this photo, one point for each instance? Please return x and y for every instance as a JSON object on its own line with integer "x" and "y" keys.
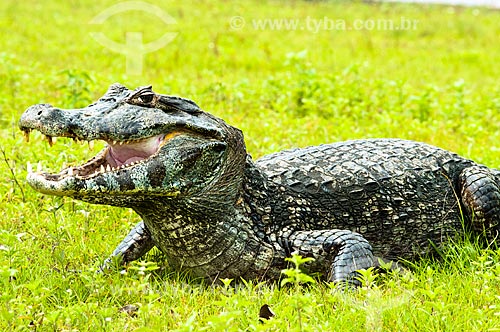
{"x": 111, "y": 122}
{"x": 121, "y": 115}
{"x": 115, "y": 123}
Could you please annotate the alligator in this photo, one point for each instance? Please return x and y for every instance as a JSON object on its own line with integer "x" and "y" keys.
{"x": 216, "y": 213}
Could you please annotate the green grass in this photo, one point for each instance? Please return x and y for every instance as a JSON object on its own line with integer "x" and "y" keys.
{"x": 437, "y": 83}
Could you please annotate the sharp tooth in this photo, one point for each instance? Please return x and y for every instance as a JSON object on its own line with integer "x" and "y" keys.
{"x": 122, "y": 166}
{"x": 70, "y": 171}
{"x": 29, "y": 167}
{"x": 49, "y": 139}
{"x": 114, "y": 142}
{"x": 108, "y": 168}
{"x": 91, "y": 145}
{"x": 102, "y": 169}
{"x": 27, "y": 135}
{"x": 64, "y": 165}
{"x": 39, "y": 167}
{"x": 121, "y": 143}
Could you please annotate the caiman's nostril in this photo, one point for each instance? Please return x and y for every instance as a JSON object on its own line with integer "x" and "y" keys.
{"x": 40, "y": 113}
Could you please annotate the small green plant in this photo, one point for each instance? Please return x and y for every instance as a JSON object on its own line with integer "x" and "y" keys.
{"x": 144, "y": 268}
{"x": 297, "y": 278}
{"x": 367, "y": 277}
{"x": 77, "y": 90}
{"x": 294, "y": 275}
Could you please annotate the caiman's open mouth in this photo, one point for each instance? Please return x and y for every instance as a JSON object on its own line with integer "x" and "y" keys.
{"x": 117, "y": 155}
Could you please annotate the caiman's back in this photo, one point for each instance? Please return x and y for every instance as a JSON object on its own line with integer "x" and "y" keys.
{"x": 398, "y": 194}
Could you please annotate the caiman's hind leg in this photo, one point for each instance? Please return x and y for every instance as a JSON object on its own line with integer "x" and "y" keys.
{"x": 480, "y": 195}
{"x": 133, "y": 246}
{"x": 338, "y": 253}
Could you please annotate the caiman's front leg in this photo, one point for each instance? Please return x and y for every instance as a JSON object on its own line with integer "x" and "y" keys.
{"x": 338, "y": 253}
{"x": 137, "y": 243}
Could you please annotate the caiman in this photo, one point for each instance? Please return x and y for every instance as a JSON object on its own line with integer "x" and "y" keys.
{"x": 216, "y": 213}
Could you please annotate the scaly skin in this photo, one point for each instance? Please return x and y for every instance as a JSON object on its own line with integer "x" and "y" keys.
{"x": 216, "y": 213}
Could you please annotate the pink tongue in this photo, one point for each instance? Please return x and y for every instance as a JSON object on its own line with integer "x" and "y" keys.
{"x": 125, "y": 154}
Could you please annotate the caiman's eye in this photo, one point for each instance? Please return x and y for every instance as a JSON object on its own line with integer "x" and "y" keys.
{"x": 146, "y": 97}
{"x": 143, "y": 96}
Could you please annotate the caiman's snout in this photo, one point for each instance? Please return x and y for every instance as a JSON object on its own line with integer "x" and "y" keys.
{"x": 45, "y": 118}
{"x": 38, "y": 113}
